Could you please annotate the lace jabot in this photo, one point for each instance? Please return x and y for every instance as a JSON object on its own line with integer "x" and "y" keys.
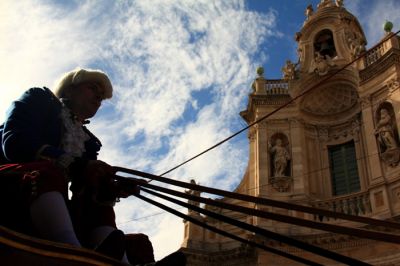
{"x": 74, "y": 137}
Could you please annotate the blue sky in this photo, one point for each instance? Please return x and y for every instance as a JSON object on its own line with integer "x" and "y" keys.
{"x": 181, "y": 72}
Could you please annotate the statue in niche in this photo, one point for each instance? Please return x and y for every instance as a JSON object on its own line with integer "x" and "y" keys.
{"x": 193, "y": 193}
{"x": 289, "y": 70}
{"x": 385, "y": 133}
{"x": 322, "y": 64}
{"x": 280, "y": 158}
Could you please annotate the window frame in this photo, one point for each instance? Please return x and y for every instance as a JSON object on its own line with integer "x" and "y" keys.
{"x": 347, "y": 160}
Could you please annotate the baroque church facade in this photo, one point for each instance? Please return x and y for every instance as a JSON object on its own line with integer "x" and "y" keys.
{"x": 335, "y": 147}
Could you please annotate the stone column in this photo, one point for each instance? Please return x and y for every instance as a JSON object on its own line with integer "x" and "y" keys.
{"x": 263, "y": 165}
{"x": 297, "y": 148}
{"x": 372, "y": 151}
{"x": 253, "y": 183}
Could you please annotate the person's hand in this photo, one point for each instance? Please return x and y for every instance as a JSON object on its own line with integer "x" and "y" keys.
{"x": 98, "y": 173}
{"x": 129, "y": 186}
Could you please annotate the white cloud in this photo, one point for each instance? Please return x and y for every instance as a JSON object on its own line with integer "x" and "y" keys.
{"x": 373, "y": 16}
{"x": 181, "y": 72}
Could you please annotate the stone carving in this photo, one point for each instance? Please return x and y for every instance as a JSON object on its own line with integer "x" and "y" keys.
{"x": 297, "y": 36}
{"x": 309, "y": 11}
{"x": 289, "y": 70}
{"x": 324, "y": 3}
{"x": 323, "y": 133}
{"x": 280, "y": 157}
{"x": 365, "y": 102}
{"x": 299, "y": 53}
{"x": 339, "y": 3}
{"x": 385, "y": 133}
{"x": 280, "y": 178}
{"x": 393, "y": 85}
{"x": 356, "y": 44}
{"x": 322, "y": 64}
{"x": 355, "y": 128}
{"x": 345, "y": 18}
{"x": 193, "y": 193}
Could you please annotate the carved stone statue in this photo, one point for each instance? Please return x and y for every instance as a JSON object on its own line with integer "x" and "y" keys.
{"x": 280, "y": 158}
{"x": 309, "y": 11}
{"x": 339, "y": 3}
{"x": 194, "y": 193}
{"x": 386, "y": 137}
{"x": 384, "y": 131}
{"x": 322, "y": 64}
{"x": 289, "y": 70}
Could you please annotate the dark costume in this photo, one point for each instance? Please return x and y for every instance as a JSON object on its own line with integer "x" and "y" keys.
{"x": 31, "y": 140}
{"x": 33, "y": 162}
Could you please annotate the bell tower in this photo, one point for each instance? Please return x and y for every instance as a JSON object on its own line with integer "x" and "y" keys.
{"x": 289, "y": 161}
{"x": 330, "y": 36}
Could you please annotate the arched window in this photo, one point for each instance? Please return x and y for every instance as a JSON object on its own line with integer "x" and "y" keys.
{"x": 324, "y": 44}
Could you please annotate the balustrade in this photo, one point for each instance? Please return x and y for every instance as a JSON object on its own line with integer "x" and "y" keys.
{"x": 356, "y": 204}
{"x": 374, "y": 54}
{"x": 276, "y": 87}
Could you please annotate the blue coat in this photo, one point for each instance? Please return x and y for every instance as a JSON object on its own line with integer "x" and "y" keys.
{"x": 34, "y": 121}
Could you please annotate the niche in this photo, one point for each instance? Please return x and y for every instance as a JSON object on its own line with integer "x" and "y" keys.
{"x": 386, "y": 134}
{"x": 324, "y": 44}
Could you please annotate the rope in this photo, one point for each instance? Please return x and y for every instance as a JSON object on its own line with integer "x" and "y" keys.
{"x": 282, "y": 218}
{"x": 262, "y": 201}
{"x": 226, "y": 234}
{"x": 264, "y": 232}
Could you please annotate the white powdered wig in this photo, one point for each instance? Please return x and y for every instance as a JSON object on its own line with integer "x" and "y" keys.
{"x": 78, "y": 76}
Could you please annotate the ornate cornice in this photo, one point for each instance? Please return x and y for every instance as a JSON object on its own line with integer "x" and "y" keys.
{"x": 272, "y": 100}
{"x": 333, "y": 132}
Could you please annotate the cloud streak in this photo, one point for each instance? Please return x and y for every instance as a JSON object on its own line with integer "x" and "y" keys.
{"x": 181, "y": 73}
{"x": 184, "y": 50}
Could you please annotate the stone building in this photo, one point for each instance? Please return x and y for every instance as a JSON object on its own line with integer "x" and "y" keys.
{"x": 335, "y": 147}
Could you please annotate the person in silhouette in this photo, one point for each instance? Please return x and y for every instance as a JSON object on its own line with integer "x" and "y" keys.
{"x": 45, "y": 147}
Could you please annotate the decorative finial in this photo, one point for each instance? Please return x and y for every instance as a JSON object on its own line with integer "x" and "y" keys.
{"x": 260, "y": 71}
{"x": 388, "y": 26}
